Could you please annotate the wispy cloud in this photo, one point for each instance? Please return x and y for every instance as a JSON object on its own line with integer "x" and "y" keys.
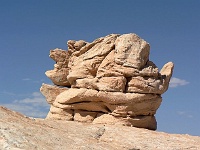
{"x": 33, "y": 106}
{"x": 26, "y": 79}
{"x": 184, "y": 114}
{"x": 7, "y": 93}
{"x": 174, "y": 82}
{"x": 32, "y": 80}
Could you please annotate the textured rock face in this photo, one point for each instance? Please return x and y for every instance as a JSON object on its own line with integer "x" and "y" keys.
{"x": 18, "y": 132}
{"x": 108, "y": 81}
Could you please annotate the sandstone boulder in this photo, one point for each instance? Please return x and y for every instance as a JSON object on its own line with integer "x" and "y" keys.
{"x": 110, "y": 81}
{"x": 131, "y": 51}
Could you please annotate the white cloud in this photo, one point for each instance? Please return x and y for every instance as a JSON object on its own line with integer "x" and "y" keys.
{"x": 184, "y": 114}
{"x": 174, "y": 82}
{"x": 32, "y": 80}
{"x": 26, "y": 79}
{"x": 36, "y": 94}
{"x": 33, "y": 106}
{"x": 36, "y": 99}
{"x": 7, "y": 93}
{"x": 180, "y": 112}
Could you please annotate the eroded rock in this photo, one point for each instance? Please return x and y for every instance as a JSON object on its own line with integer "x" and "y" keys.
{"x": 60, "y": 72}
{"x": 110, "y": 81}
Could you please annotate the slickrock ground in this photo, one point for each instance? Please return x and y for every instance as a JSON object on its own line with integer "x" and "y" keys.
{"x": 18, "y": 132}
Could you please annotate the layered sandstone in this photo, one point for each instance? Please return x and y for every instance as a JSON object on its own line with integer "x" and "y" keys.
{"x": 110, "y": 81}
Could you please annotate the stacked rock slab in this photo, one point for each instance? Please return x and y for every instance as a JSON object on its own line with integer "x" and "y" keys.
{"x": 108, "y": 81}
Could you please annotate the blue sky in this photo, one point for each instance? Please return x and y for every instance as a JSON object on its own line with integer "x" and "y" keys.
{"x": 29, "y": 29}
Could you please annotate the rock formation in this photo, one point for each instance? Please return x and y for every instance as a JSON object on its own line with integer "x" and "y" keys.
{"x": 108, "y": 81}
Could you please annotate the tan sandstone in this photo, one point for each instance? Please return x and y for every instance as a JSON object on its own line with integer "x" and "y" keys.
{"x": 108, "y": 81}
{"x": 18, "y": 132}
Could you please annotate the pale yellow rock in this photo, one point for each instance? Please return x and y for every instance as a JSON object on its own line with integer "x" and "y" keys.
{"x": 110, "y": 84}
{"x": 111, "y": 76}
{"x": 72, "y": 96}
{"x": 59, "y": 75}
{"x": 145, "y": 85}
{"x": 91, "y": 106}
{"x": 86, "y": 83}
{"x": 57, "y": 110}
{"x": 71, "y": 47}
{"x": 59, "y": 55}
{"x": 79, "y": 44}
{"x": 166, "y": 74}
{"x": 74, "y": 46}
{"x": 75, "y": 95}
{"x": 149, "y": 70}
{"x": 131, "y": 51}
{"x": 87, "y": 106}
{"x": 124, "y": 98}
{"x": 85, "y": 48}
{"x": 116, "y": 103}
{"x": 60, "y": 114}
{"x": 148, "y": 122}
{"x": 105, "y": 119}
{"x": 106, "y": 67}
{"x": 56, "y": 116}
{"x": 146, "y": 107}
{"x": 84, "y": 116}
{"x": 51, "y": 92}
{"x": 109, "y": 68}
{"x": 157, "y": 85}
{"x": 20, "y": 132}
{"x": 86, "y": 65}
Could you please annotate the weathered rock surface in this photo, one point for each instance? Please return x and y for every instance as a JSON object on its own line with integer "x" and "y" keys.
{"x": 131, "y": 51}
{"x": 110, "y": 81}
{"x": 51, "y": 92}
{"x": 61, "y": 70}
{"x": 18, "y": 132}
